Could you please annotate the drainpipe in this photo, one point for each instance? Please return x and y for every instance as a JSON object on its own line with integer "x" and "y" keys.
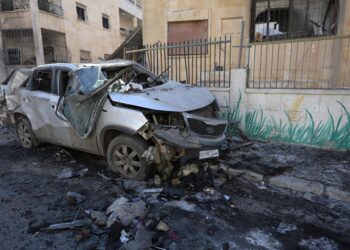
{"x": 37, "y": 35}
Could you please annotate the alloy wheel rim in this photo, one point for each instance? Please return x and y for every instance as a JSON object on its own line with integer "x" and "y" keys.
{"x": 127, "y": 161}
{"x": 24, "y": 135}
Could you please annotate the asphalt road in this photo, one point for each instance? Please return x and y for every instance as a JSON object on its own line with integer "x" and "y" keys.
{"x": 237, "y": 215}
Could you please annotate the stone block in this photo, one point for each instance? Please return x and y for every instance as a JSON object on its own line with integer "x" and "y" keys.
{"x": 296, "y": 184}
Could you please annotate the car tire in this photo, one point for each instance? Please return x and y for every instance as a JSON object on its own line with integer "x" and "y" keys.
{"x": 25, "y": 134}
{"x": 124, "y": 156}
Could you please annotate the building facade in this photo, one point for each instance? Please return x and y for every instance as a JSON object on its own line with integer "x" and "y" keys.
{"x": 35, "y": 32}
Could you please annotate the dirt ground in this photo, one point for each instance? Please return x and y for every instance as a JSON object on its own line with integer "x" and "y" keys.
{"x": 214, "y": 212}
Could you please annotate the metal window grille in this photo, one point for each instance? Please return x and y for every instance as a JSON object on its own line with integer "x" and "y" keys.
{"x": 81, "y": 12}
{"x": 105, "y": 21}
{"x": 51, "y": 6}
{"x": 290, "y": 19}
{"x": 11, "y": 5}
{"x": 19, "y": 47}
{"x": 85, "y": 56}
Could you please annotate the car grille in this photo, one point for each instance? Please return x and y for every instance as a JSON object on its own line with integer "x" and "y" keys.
{"x": 202, "y": 128}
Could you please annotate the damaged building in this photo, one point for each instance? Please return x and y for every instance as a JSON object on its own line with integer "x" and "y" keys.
{"x": 35, "y": 32}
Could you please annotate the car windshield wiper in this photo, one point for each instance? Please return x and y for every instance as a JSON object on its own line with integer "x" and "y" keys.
{"x": 161, "y": 74}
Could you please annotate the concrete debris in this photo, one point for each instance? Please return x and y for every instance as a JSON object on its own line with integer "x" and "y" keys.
{"x": 209, "y": 190}
{"x": 69, "y": 225}
{"x": 124, "y": 237}
{"x": 100, "y": 218}
{"x": 142, "y": 240}
{"x": 227, "y": 197}
{"x": 124, "y": 211}
{"x": 189, "y": 169}
{"x": 263, "y": 240}
{"x": 284, "y": 228}
{"x": 69, "y": 173}
{"x": 64, "y": 156}
{"x": 205, "y": 196}
{"x": 152, "y": 190}
{"x": 171, "y": 193}
{"x": 182, "y": 204}
{"x": 163, "y": 227}
{"x": 157, "y": 180}
{"x": 74, "y": 198}
{"x": 320, "y": 243}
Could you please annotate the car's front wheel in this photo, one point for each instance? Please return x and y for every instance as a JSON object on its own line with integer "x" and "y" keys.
{"x": 25, "y": 133}
{"x": 124, "y": 156}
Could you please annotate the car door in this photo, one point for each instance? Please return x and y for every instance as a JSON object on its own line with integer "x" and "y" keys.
{"x": 36, "y": 103}
{"x": 62, "y": 131}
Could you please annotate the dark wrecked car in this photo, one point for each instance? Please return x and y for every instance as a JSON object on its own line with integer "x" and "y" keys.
{"x": 119, "y": 110}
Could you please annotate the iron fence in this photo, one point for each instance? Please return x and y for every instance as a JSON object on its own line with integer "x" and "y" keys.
{"x": 206, "y": 62}
{"x": 314, "y": 63}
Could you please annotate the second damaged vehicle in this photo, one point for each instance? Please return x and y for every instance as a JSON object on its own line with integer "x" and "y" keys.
{"x": 119, "y": 110}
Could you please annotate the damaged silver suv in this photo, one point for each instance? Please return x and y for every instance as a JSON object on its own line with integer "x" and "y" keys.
{"x": 116, "y": 109}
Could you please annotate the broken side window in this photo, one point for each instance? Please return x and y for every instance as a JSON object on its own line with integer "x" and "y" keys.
{"x": 286, "y": 19}
{"x": 42, "y": 81}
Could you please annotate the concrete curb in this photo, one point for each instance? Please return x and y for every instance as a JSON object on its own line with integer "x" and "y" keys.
{"x": 295, "y": 184}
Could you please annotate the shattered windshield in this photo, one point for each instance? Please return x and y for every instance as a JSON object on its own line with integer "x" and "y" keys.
{"x": 132, "y": 78}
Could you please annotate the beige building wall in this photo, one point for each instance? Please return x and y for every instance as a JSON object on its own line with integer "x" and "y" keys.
{"x": 224, "y": 17}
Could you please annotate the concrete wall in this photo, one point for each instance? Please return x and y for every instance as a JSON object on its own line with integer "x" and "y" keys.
{"x": 313, "y": 117}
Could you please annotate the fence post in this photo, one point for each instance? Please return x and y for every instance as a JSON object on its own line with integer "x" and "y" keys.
{"x": 241, "y": 45}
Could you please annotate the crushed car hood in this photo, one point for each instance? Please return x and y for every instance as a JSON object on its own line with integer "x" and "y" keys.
{"x": 170, "y": 97}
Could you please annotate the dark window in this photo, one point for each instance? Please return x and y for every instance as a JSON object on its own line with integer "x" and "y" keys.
{"x": 187, "y": 31}
{"x": 105, "y": 22}
{"x": 42, "y": 81}
{"x": 7, "y": 5}
{"x": 292, "y": 19}
{"x": 63, "y": 80}
{"x": 14, "y": 56}
{"x": 81, "y": 13}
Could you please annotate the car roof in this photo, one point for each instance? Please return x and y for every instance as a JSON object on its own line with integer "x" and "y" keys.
{"x": 75, "y": 66}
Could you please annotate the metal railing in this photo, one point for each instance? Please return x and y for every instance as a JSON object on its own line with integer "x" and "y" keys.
{"x": 206, "y": 62}
{"x": 51, "y": 6}
{"x": 313, "y": 63}
{"x": 202, "y": 62}
{"x": 11, "y": 5}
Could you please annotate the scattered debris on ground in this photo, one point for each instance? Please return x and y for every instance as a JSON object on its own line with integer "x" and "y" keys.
{"x": 234, "y": 202}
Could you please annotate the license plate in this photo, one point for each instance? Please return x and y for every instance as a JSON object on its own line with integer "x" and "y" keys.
{"x": 208, "y": 154}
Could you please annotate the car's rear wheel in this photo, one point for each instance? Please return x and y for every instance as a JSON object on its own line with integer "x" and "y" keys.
{"x": 124, "y": 156}
{"x": 25, "y": 133}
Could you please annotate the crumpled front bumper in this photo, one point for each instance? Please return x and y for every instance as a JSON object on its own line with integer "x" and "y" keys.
{"x": 185, "y": 140}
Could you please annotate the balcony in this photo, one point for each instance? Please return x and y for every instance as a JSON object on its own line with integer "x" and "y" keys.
{"x": 13, "y": 5}
{"x": 51, "y": 6}
{"x": 137, "y": 3}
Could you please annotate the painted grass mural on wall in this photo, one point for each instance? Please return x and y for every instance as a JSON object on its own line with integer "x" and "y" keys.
{"x": 331, "y": 133}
